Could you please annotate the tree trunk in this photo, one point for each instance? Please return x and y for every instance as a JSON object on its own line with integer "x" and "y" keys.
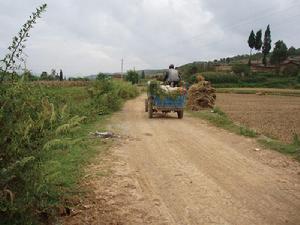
{"x": 249, "y": 62}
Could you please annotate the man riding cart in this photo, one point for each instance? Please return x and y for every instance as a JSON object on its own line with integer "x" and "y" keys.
{"x": 168, "y": 97}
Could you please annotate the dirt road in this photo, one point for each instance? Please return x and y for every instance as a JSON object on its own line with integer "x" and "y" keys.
{"x": 172, "y": 171}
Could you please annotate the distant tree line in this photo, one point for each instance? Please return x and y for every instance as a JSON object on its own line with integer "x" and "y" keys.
{"x": 280, "y": 51}
{"x": 255, "y": 42}
{"x": 53, "y": 75}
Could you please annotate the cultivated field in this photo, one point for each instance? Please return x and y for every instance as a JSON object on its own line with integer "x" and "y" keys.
{"x": 275, "y": 116}
{"x": 261, "y": 91}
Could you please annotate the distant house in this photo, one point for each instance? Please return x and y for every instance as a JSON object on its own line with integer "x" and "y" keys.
{"x": 289, "y": 62}
{"x": 275, "y": 68}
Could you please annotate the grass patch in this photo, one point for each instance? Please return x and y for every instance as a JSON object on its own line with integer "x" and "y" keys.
{"x": 218, "y": 118}
{"x": 65, "y": 167}
{"x": 289, "y": 149}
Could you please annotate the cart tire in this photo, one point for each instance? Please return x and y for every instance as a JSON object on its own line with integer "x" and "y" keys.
{"x": 180, "y": 114}
{"x": 146, "y": 105}
{"x": 150, "y": 108}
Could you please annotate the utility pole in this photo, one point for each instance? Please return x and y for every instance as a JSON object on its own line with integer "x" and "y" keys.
{"x": 122, "y": 63}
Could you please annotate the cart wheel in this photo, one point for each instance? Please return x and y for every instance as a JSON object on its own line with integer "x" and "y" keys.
{"x": 180, "y": 114}
{"x": 150, "y": 108}
{"x": 146, "y": 105}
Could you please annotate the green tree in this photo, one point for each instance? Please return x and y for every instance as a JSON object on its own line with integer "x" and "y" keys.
{"x": 251, "y": 43}
{"x": 52, "y": 75}
{"x": 266, "y": 48}
{"x": 132, "y": 76}
{"x": 143, "y": 75}
{"x": 291, "y": 51}
{"x": 44, "y": 76}
{"x": 16, "y": 54}
{"x": 258, "y": 41}
{"x": 241, "y": 69}
{"x": 61, "y": 75}
{"x": 102, "y": 76}
{"x": 280, "y": 53}
{"x": 192, "y": 69}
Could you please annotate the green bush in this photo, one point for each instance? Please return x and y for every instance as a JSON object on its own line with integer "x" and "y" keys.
{"x": 132, "y": 76}
{"x": 241, "y": 69}
{"x": 107, "y": 95}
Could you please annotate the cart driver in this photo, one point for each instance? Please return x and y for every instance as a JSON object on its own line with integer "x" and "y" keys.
{"x": 172, "y": 77}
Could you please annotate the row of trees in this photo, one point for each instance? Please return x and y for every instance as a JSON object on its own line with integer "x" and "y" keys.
{"x": 255, "y": 42}
{"x": 280, "y": 51}
{"x": 131, "y": 76}
{"x": 53, "y": 75}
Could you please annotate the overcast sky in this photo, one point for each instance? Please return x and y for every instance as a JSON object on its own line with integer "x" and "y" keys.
{"x": 86, "y": 37}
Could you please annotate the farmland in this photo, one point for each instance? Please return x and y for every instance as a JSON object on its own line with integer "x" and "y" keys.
{"x": 274, "y": 116}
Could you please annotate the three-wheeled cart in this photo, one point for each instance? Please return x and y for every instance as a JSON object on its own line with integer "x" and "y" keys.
{"x": 155, "y": 104}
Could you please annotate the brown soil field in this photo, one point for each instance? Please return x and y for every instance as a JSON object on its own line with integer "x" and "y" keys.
{"x": 274, "y": 116}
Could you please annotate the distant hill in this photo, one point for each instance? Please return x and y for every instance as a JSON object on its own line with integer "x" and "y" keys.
{"x": 151, "y": 73}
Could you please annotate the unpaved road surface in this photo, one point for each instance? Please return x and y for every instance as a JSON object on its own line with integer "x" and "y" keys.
{"x": 171, "y": 171}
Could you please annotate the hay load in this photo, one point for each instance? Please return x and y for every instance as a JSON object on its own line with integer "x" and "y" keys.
{"x": 201, "y": 95}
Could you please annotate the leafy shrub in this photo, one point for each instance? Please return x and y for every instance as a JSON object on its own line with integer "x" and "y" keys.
{"x": 241, "y": 69}
{"x": 132, "y": 76}
{"x": 28, "y": 121}
{"x": 108, "y": 95}
{"x": 102, "y": 76}
{"x": 125, "y": 90}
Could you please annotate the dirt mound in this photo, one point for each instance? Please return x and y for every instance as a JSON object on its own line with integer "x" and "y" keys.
{"x": 201, "y": 95}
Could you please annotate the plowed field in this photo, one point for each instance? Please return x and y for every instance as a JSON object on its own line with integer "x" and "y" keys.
{"x": 275, "y": 116}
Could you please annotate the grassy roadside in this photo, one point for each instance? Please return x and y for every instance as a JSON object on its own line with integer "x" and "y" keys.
{"x": 46, "y": 145}
{"x": 218, "y": 118}
{"x": 65, "y": 167}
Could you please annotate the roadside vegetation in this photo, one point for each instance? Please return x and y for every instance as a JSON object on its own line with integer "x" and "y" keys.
{"x": 44, "y": 133}
{"x": 44, "y": 142}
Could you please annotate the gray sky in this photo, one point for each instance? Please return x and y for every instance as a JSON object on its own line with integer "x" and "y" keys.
{"x": 86, "y": 37}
